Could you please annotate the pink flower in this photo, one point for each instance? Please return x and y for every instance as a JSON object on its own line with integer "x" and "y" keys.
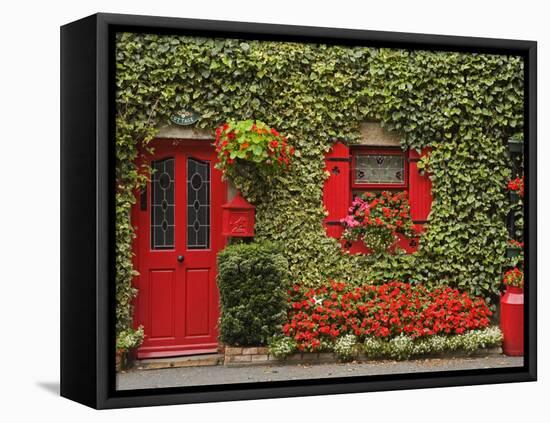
{"x": 364, "y": 207}
{"x": 349, "y": 221}
{"x": 356, "y": 202}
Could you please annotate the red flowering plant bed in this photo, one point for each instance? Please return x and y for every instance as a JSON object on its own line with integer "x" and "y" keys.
{"x": 318, "y": 317}
{"x": 375, "y": 219}
{"x": 251, "y": 143}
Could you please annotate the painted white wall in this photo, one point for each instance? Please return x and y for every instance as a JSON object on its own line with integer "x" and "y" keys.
{"x": 29, "y": 175}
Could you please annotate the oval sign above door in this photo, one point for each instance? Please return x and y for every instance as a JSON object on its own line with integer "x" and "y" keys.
{"x": 184, "y": 117}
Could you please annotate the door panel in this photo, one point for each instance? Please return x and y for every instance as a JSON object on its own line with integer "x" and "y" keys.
{"x": 178, "y": 236}
{"x": 197, "y": 307}
{"x": 162, "y": 291}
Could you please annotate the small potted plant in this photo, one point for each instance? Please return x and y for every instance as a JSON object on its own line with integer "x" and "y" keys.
{"x": 126, "y": 344}
{"x": 511, "y": 313}
{"x": 250, "y": 146}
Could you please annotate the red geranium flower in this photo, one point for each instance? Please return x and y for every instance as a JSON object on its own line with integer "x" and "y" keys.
{"x": 385, "y": 310}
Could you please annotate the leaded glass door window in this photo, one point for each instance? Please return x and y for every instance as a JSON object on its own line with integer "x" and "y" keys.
{"x": 198, "y": 204}
{"x": 162, "y": 204}
{"x": 379, "y": 169}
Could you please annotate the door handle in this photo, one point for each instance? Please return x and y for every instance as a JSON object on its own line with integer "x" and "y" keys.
{"x": 180, "y": 259}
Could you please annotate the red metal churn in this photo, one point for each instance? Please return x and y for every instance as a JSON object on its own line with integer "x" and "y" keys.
{"x": 511, "y": 321}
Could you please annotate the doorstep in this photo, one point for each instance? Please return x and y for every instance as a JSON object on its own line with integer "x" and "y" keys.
{"x": 180, "y": 361}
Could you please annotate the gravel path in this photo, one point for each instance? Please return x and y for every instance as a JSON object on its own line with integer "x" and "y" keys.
{"x": 214, "y": 375}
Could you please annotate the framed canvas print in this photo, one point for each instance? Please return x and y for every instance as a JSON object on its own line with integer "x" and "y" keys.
{"x": 255, "y": 211}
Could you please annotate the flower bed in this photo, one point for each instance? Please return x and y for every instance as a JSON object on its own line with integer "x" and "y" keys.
{"x": 403, "y": 347}
{"x": 340, "y": 317}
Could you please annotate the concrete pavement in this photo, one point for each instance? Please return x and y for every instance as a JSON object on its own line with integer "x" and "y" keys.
{"x": 214, "y": 375}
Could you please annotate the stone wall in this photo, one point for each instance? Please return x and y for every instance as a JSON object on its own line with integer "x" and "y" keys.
{"x": 372, "y": 134}
{"x": 246, "y": 356}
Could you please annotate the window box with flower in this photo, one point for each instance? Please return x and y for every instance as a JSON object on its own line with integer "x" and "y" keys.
{"x": 378, "y": 220}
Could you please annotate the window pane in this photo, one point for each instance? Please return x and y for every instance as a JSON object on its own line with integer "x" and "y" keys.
{"x": 379, "y": 169}
{"x": 162, "y": 204}
{"x": 198, "y": 204}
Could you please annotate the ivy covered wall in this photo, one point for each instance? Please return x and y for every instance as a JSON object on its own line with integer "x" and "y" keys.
{"x": 462, "y": 105}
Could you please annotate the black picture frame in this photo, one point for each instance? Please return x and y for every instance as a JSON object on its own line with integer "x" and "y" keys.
{"x": 87, "y": 221}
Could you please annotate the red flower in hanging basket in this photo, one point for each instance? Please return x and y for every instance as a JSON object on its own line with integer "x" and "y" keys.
{"x": 517, "y": 185}
{"x": 251, "y": 142}
{"x": 514, "y": 243}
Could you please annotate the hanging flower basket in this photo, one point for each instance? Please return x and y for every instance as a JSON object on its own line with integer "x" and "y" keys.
{"x": 514, "y": 248}
{"x": 517, "y": 189}
{"x": 514, "y": 197}
{"x": 515, "y": 146}
{"x": 512, "y": 252}
{"x": 251, "y": 148}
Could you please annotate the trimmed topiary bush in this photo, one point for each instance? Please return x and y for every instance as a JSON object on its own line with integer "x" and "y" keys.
{"x": 253, "y": 283}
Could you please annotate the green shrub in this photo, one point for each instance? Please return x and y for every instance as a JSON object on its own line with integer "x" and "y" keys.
{"x": 253, "y": 283}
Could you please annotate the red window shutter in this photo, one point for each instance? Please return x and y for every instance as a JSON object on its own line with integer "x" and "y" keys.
{"x": 336, "y": 192}
{"x": 420, "y": 189}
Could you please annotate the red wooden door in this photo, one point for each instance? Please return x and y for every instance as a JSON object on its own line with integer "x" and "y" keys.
{"x": 179, "y": 232}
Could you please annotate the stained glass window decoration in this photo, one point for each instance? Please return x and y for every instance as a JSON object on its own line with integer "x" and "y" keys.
{"x": 379, "y": 169}
{"x": 198, "y": 204}
{"x": 162, "y": 204}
